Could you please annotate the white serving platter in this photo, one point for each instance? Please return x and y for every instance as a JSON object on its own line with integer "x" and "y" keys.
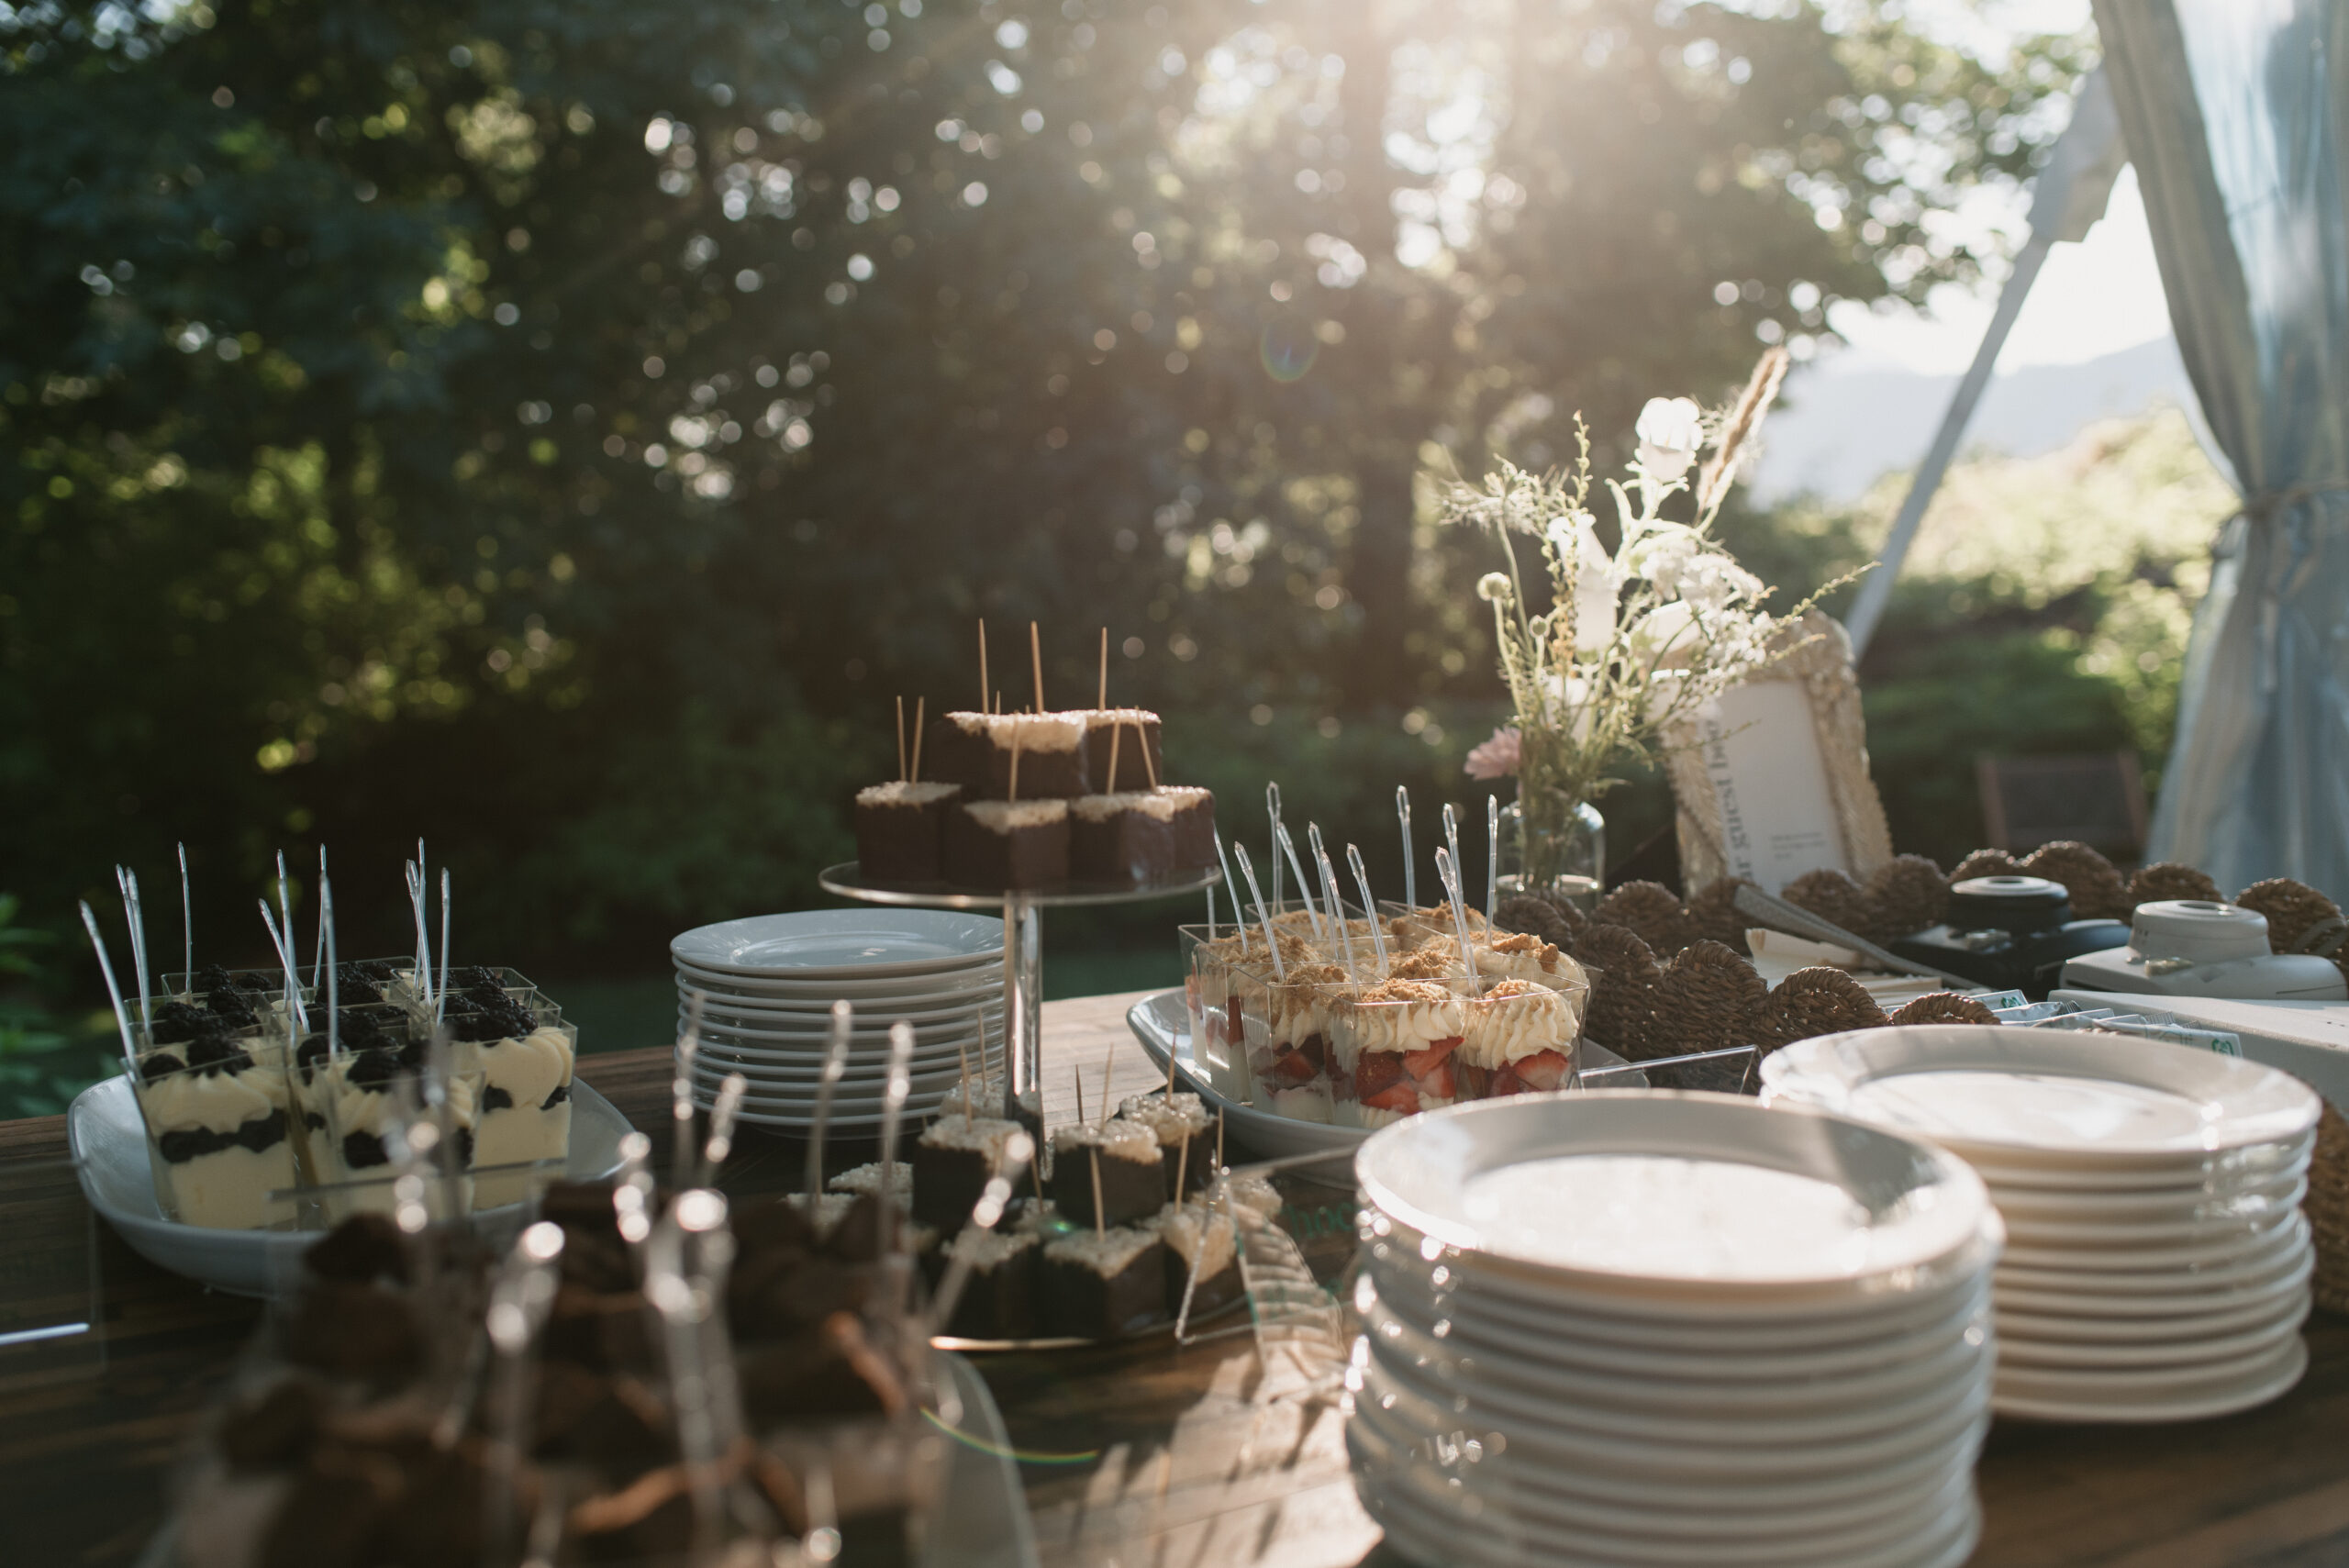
{"x": 109, "y": 1148}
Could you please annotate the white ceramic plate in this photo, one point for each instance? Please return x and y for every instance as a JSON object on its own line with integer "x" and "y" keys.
{"x": 2024, "y": 1204}
{"x": 110, "y": 1146}
{"x": 863, "y": 997}
{"x": 928, "y": 1024}
{"x": 1527, "y": 1494}
{"x": 1555, "y": 1496}
{"x": 2213, "y": 1377}
{"x": 802, "y": 1023}
{"x": 2082, "y": 1100}
{"x": 2028, "y": 1356}
{"x": 1725, "y": 1359}
{"x": 1708, "y": 1199}
{"x": 2186, "y": 1299}
{"x": 2224, "y": 1396}
{"x": 2095, "y": 1327}
{"x": 2225, "y": 1252}
{"x": 1685, "y": 1408}
{"x": 1477, "y": 1525}
{"x": 841, "y": 943}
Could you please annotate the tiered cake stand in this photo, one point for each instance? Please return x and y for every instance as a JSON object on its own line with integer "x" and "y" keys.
{"x": 1023, "y": 955}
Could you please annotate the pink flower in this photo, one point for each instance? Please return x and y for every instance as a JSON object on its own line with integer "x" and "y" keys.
{"x": 1496, "y": 758}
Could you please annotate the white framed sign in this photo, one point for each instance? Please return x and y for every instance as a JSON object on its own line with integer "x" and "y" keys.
{"x": 1771, "y": 779}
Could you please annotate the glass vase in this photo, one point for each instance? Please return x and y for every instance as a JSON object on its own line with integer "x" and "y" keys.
{"x": 1554, "y": 843}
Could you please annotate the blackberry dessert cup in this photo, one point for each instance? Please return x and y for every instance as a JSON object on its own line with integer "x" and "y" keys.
{"x": 218, "y": 1134}
{"x": 524, "y": 1057}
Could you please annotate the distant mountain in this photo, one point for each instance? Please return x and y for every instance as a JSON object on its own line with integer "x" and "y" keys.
{"x": 1836, "y": 433}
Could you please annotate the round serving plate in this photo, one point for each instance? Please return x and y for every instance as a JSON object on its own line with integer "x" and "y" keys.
{"x": 863, "y": 995}
{"x": 1563, "y": 1441}
{"x": 840, "y": 944}
{"x": 2093, "y": 1326}
{"x": 2023, "y": 1205}
{"x": 2030, "y": 1400}
{"x": 1483, "y": 1529}
{"x": 817, "y": 1019}
{"x": 1666, "y": 1410}
{"x": 1501, "y": 1485}
{"x": 2168, "y": 1259}
{"x": 947, "y": 1024}
{"x": 2111, "y": 1297}
{"x": 1705, "y": 1203}
{"x": 2030, "y": 1356}
{"x": 2226, "y": 1172}
{"x": 1724, "y": 1360}
{"x": 848, "y": 880}
{"x": 2210, "y": 1379}
{"x": 2031, "y": 1097}
{"x": 108, "y": 1141}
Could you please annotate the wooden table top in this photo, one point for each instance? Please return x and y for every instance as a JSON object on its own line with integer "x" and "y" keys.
{"x": 1146, "y": 1454}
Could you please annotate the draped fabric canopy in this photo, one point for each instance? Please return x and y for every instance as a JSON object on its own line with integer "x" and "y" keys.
{"x": 2230, "y": 114}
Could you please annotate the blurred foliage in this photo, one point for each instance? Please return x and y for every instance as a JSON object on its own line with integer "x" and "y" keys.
{"x": 45, "y": 1059}
{"x": 559, "y": 431}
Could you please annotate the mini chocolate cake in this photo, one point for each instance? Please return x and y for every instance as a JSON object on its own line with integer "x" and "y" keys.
{"x": 1141, "y": 834}
{"x": 976, "y": 750}
{"x": 1141, "y": 761}
{"x": 900, "y": 827}
{"x": 1004, "y": 844}
{"x": 1177, "y": 1120}
{"x": 1197, "y": 1236}
{"x": 953, "y": 1163}
{"x": 1100, "y": 1284}
{"x": 1132, "y": 1166}
{"x": 999, "y": 1299}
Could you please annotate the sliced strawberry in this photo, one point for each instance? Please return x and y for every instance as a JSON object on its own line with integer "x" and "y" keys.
{"x": 1394, "y": 1097}
{"x": 1475, "y": 1082}
{"x": 1420, "y": 1063}
{"x": 1375, "y": 1071}
{"x": 1543, "y": 1070}
{"x": 1294, "y": 1067}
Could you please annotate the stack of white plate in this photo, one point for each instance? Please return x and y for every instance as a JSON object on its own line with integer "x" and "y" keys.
{"x": 2157, "y": 1263}
{"x": 767, "y": 986}
{"x": 1638, "y": 1327}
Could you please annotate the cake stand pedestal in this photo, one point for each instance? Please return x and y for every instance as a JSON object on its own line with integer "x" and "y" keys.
{"x": 1023, "y": 958}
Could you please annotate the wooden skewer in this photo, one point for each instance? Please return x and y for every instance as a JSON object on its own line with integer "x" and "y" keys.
{"x": 964, "y": 1057}
{"x": 1170, "y": 1077}
{"x": 1181, "y": 1169}
{"x": 1100, "y": 1226}
{"x": 1106, "y": 1062}
{"x": 1101, "y": 696}
{"x": 1011, "y": 790}
{"x": 1218, "y": 1139}
{"x": 920, "y": 703}
{"x": 1148, "y": 767}
{"x": 901, "y": 739}
{"x": 1110, "y": 785}
{"x": 984, "y": 687}
{"x": 1078, "y": 1074}
{"x": 1036, "y": 664}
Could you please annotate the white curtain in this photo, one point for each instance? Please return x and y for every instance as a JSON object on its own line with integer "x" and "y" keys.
{"x": 2230, "y": 110}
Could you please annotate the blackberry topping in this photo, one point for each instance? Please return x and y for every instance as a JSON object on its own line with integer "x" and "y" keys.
{"x": 163, "y": 1065}
{"x": 361, "y": 1150}
{"x": 228, "y": 1005}
{"x": 309, "y": 1053}
{"x": 217, "y": 1053}
{"x": 561, "y": 1093}
{"x": 183, "y": 1144}
{"x": 495, "y": 1099}
{"x": 374, "y": 971}
{"x": 212, "y": 977}
{"x": 464, "y": 1147}
{"x": 475, "y": 977}
{"x": 375, "y": 1069}
{"x": 352, "y": 987}
{"x": 176, "y": 1021}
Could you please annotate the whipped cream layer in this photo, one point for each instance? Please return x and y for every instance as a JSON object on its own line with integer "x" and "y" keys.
{"x": 913, "y": 796}
{"x": 1206, "y": 1240}
{"x": 1518, "y": 1019}
{"x": 1011, "y": 816}
{"x": 1400, "y": 1015}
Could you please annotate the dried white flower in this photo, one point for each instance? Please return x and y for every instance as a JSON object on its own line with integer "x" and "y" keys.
{"x": 1493, "y": 587}
{"x": 1671, "y": 431}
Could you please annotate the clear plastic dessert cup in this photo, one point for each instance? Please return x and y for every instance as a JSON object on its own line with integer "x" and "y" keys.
{"x": 219, "y": 1138}
{"x": 1286, "y": 1027}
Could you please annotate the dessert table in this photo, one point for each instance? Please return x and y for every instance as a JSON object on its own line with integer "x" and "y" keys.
{"x": 1142, "y": 1453}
